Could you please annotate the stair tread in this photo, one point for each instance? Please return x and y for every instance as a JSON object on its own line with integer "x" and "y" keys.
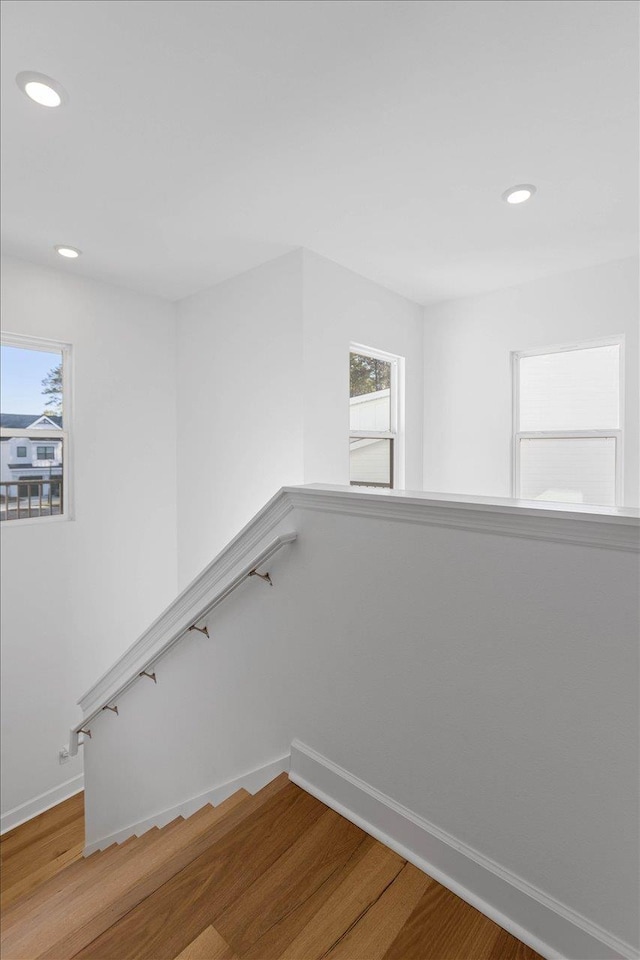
{"x": 51, "y": 927}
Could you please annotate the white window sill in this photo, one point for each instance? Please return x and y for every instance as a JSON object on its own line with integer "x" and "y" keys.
{"x": 27, "y": 521}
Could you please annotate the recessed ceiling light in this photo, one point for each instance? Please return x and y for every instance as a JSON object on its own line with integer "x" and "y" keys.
{"x": 519, "y": 193}
{"x": 71, "y": 253}
{"x": 42, "y": 89}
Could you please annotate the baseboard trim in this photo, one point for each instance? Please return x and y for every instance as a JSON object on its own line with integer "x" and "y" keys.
{"x": 252, "y": 781}
{"x": 37, "y": 805}
{"x": 547, "y": 926}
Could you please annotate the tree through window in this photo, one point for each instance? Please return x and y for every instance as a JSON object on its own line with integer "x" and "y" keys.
{"x": 368, "y": 374}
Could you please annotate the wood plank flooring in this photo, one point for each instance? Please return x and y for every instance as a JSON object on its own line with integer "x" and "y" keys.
{"x": 276, "y": 876}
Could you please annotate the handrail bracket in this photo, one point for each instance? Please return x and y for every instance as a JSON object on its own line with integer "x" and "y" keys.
{"x": 263, "y": 576}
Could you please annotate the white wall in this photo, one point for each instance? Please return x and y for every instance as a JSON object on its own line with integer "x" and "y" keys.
{"x": 341, "y": 307}
{"x": 262, "y": 401}
{"x": 76, "y": 594}
{"x": 467, "y": 369}
{"x": 466, "y": 663}
{"x": 239, "y": 404}
{"x": 263, "y": 390}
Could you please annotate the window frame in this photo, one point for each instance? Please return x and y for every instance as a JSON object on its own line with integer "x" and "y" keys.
{"x": 615, "y": 434}
{"x": 396, "y": 418}
{"x": 65, "y": 350}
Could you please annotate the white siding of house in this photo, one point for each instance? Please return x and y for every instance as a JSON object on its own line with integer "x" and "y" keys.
{"x": 9, "y": 456}
{"x": 369, "y": 461}
{"x": 370, "y": 412}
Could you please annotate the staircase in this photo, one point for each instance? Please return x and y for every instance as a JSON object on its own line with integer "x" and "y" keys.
{"x": 416, "y": 701}
{"x": 274, "y": 876}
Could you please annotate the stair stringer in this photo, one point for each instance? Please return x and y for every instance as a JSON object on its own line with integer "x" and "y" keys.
{"x": 252, "y": 782}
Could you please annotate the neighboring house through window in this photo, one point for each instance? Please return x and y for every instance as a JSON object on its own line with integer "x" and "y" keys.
{"x": 568, "y": 429}
{"x": 375, "y": 416}
{"x": 34, "y": 429}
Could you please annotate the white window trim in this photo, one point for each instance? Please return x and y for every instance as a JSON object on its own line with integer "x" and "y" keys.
{"x": 518, "y": 435}
{"x": 396, "y": 410}
{"x": 65, "y": 434}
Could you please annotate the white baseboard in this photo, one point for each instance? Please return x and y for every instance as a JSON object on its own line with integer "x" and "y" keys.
{"x": 252, "y": 781}
{"x": 547, "y": 926}
{"x": 31, "y": 808}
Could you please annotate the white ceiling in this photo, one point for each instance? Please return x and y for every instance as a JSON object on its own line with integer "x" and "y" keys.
{"x": 202, "y": 138}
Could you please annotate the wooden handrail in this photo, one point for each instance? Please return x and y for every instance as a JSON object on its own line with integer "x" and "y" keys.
{"x": 198, "y": 613}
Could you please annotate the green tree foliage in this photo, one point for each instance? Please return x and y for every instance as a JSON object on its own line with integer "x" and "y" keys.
{"x": 368, "y": 375}
{"x": 52, "y": 391}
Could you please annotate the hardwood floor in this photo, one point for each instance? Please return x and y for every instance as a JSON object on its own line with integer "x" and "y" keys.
{"x": 276, "y": 876}
{"x": 40, "y": 848}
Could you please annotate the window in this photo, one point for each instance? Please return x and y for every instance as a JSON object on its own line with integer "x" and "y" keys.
{"x": 34, "y": 478}
{"x": 45, "y": 453}
{"x": 374, "y": 416}
{"x": 568, "y": 424}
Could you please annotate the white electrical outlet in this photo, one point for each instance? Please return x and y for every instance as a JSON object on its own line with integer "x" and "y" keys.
{"x": 63, "y": 755}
